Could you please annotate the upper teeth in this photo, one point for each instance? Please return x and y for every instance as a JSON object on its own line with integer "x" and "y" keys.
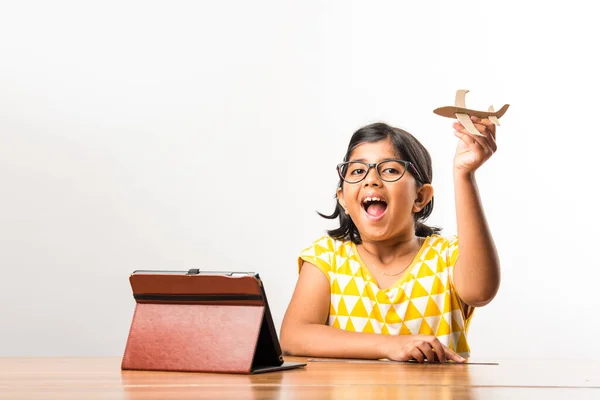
{"x": 371, "y": 199}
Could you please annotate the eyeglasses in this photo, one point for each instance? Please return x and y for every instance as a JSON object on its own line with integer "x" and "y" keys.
{"x": 389, "y": 170}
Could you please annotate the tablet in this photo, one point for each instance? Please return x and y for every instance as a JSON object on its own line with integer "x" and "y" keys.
{"x": 202, "y": 321}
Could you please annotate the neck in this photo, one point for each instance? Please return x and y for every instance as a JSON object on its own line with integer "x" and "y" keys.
{"x": 387, "y": 252}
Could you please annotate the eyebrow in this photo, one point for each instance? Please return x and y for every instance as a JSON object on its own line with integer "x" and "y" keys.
{"x": 365, "y": 160}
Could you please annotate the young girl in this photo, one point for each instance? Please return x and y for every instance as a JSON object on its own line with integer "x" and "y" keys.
{"x": 384, "y": 284}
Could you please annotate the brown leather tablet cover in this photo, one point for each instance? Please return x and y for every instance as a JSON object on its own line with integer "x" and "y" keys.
{"x": 183, "y": 323}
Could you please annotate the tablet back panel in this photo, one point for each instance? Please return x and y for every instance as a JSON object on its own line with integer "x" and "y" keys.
{"x": 205, "y": 323}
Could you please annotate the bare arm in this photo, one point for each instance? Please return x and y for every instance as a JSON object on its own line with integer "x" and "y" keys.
{"x": 304, "y": 331}
{"x": 477, "y": 270}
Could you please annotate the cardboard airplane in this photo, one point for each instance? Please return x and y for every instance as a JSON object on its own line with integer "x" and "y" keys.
{"x": 463, "y": 114}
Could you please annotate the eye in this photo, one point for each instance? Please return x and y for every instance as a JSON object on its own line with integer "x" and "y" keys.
{"x": 391, "y": 170}
{"x": 357, "y": 171}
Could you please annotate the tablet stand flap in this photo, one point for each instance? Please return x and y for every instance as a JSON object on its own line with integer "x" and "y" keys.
{"x": 193, "y": 337}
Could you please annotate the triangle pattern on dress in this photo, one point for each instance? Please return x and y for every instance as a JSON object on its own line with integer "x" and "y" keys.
{"x": 359, "y": 323}
{"x": 350, "y": 302}
{"x": 414, "y": 325}
{"x": 418, "y": 291}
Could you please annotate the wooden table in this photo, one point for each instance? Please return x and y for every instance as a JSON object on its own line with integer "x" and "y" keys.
{"x": 101, "y": 378}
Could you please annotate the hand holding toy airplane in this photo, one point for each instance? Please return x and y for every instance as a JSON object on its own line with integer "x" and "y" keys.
{"x": 463, "y": 114}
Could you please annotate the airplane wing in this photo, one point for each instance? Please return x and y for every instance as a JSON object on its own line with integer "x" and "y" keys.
{"x": 459, "y": 100}
{"x": 468, "y": 124}
{"x": 493, "y": 118}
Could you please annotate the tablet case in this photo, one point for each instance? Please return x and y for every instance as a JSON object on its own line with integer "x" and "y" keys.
{"x": 202, "y": 322}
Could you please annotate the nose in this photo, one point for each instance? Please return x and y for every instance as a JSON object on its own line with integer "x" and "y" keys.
{"x": 372, "y": 178}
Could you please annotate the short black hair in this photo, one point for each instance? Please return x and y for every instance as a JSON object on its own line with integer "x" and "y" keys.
{"x": 407, "y": 148}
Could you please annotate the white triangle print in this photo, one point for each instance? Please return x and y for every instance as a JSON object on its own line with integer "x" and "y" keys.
{"x": 445, "y": 339}
{"x": 432, "y": 264}
{"x": 359, "y": 323}
{"x": 393, "y": 293}
{"x": 383, "y": 309}
{"x": 414, "y": 325}
{"x": 439, "y": 301}
{"x": 394, "y": 329}
{"x": 310, "y": 251}
{"x": 354, "y": 265}
{"x": 434, "y": 323}
{"x": 443, "y": 275}
{"x": 325, "y": 257}
{"x": 349, "y": 251}
{"x": 401, "y": 309}
{"x": 368, "y": 304}
{"x": 343, "y": 281}
{"x": 415, "y": 268}
{"x": 360, "y": 284}
{"x": 376, "y": 325}
{"x": 455, "y": 336}
{"x": 448, "y": 318}
{"x": 408, "y": 287}
{"x": 339, "y": 261}
{"x": 343, "y": 321}
{"x": 427, "y": 282}
{"x": 331, "y": 320}
{"x": 350, "y": 301}
{"x": 324, "y": 243}
{"x": 457, "y": 317}
{"x": 374, "y": 287}
{"x": 331, "y": 276}
{"x": 335, "y": 301}
{"x": 420, "y": 303}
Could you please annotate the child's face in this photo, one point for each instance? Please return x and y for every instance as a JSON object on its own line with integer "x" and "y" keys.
{"x": 392, "y": 217}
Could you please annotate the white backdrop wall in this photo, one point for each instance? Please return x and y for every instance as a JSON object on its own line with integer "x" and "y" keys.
{"x": 176, "y": 135}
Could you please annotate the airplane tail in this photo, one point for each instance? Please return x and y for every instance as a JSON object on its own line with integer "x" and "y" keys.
{"x": 501, "y": 111}
{"x": 493, "y": 118}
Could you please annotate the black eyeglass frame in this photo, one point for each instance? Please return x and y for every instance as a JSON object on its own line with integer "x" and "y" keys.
{"x": 407, "y": 164}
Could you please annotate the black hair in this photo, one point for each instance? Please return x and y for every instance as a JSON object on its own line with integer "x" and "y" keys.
{"x": 409, "y": 149}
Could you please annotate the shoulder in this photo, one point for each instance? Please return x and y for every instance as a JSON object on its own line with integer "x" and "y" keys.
{"x": 324, "y": 251}
{"x": 445, "y": 247}
{"x": 325, "y": 244}
{"x": 326, "y": 247}
{"x": 442, "y": 243}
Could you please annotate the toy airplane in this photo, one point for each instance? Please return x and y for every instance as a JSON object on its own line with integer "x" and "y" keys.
{"x": 463, "y": 114}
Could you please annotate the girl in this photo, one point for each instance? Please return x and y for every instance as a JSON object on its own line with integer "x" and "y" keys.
{"x": 384, "y": 284}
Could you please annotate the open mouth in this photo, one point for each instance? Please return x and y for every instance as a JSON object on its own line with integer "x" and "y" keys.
{"x": 374, "y": 206}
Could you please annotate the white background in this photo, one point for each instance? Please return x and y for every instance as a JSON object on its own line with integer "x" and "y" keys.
{"x": 176, "y": 135}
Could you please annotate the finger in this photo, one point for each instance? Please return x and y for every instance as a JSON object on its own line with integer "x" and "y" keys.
{"x": 484, "y": 142}
{"x": 487, "y": 142}
{"x": 491, "y": 140}
{"x": 479, "y": 143}
{"x": 417, "y": 355}
{"x": 427, "y": 351}
{"x": 464, "y": 137}
{"x": 480, "y": 127}
{"x": 439, "y": 350}
{"x": 483, "y": 129}
{"x": 488, "y": 124}
{"x": 452, "y": 355}
{"x": 490, "y": 127}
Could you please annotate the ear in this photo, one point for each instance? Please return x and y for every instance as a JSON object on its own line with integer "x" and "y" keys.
{"x": 424, "y": 196}
{"x": 340, "y": 198}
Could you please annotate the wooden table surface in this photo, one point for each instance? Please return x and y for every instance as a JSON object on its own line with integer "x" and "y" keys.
{"x": 101, "y": 378}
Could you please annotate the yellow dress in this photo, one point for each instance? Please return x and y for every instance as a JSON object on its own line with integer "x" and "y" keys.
{"x": 422, "y": 301}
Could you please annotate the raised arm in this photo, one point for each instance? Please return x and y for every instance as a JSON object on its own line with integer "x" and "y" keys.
{"x": 304, "y": 331}
{"x": 477, "y": 270}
